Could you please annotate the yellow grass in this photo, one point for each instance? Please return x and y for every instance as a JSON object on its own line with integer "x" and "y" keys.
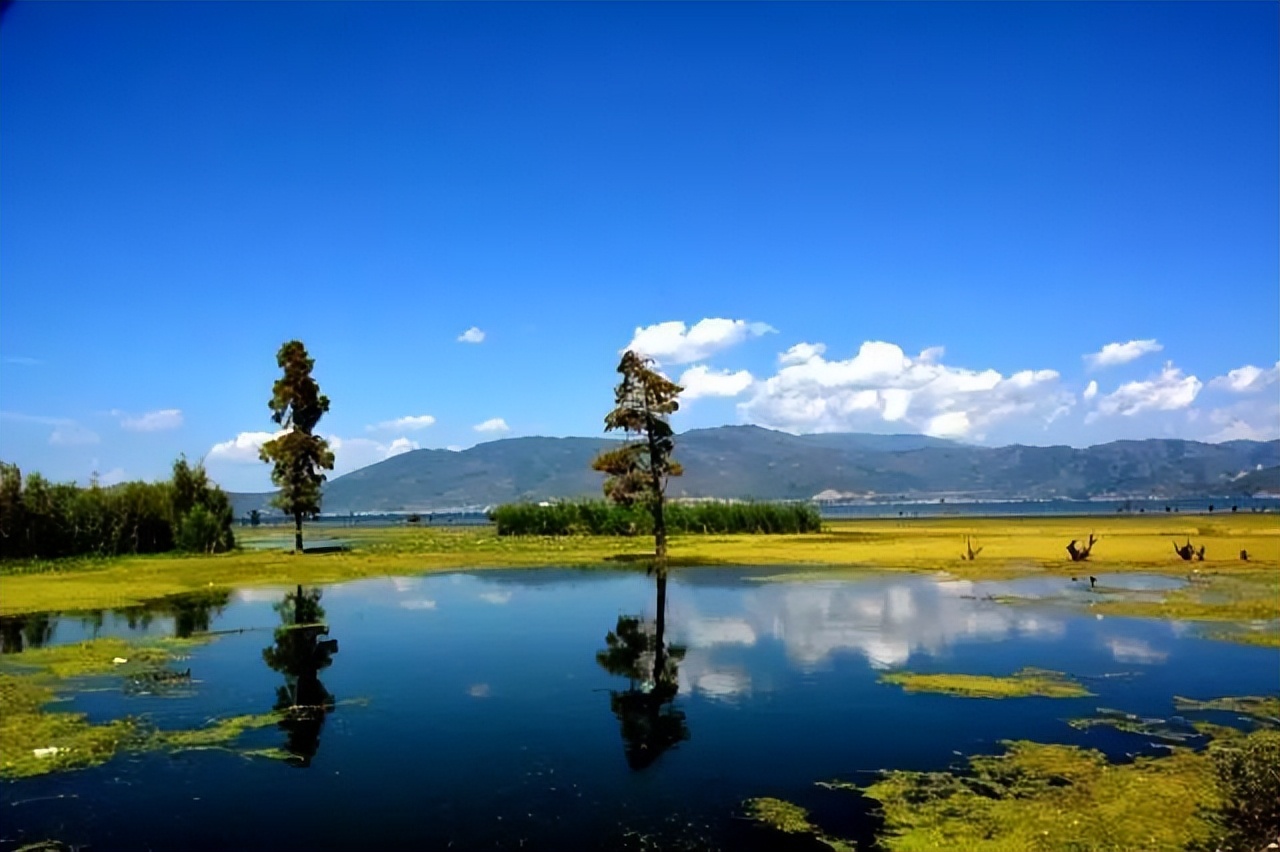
{"x": 1011, "y": 547}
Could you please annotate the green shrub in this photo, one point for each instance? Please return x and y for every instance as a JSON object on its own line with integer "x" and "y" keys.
{"x": 597, "y": 517}
{"x": 1248, "y": 774}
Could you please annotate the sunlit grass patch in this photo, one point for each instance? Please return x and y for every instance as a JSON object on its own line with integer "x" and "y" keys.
{"x": 1011, "y": 547}
{"x": 1023, "y": 683}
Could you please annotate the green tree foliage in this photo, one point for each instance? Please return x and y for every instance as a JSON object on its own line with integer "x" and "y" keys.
{"x": 637, "y": 472}
{"x": 40, "y": 520}
{"x": 596, "y": 517}
{"x": 202, "y": 512}
{"x": 298, "y": 457}
{"x": 1248, "y": 774}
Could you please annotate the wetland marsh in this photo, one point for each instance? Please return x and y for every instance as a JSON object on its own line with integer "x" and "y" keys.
{"x": 517, "y": 708}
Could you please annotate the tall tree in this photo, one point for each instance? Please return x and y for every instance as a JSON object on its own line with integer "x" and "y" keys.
{"x": 637, "y": 471}
{"x": 299, "y": 456}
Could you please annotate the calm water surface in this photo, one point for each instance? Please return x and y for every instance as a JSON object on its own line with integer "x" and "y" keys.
{"x": 470, "y": 710}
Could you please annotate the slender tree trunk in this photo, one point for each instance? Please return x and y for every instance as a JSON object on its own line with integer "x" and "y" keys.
{"x": 660, "y": 652}
{"x": 297, "y": 532}
{"x": 659, "y": 519}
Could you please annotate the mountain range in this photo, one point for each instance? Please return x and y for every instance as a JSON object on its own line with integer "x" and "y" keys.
{"x": 750, "y": 462}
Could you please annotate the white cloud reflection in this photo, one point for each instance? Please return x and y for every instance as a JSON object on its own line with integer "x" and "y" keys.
{"x": 886, "y": 623}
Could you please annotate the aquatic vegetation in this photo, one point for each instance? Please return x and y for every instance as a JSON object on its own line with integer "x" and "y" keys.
{"x": 36, "y": 739}
{"x": 1263, "y": 708}
{"x": 1020, "y": 684}
{"x": 1049, "y": 797}
{"x": 100, "y": 656}
{"x": 217, "y": 733}
{"x": 35, "y": 742}
{"x": 790, "y": 819}
{"x": 1159, "y": 729}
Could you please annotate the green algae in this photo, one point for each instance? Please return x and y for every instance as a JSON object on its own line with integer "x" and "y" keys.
{"x": 1050, "y": 797}
{"x": 790, "y": 818}
{"x": 1157, "y": 729}
{"x": 1023, "y": 683}
{"x": 1262, "y": 708}
{"x": 36, "y": 738}
{"x": 108, "y": 655}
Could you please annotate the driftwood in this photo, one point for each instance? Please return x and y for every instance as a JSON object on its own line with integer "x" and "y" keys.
{"x": 969, "y": 553}
{"x": 1244, "y": 556}
{"x": 1187, "y": 552}
{"x": 1080, "y": 554}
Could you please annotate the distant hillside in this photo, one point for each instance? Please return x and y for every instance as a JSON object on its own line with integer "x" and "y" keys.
{"x": 751, "y": 462}
{"x": 1265, "y": 481}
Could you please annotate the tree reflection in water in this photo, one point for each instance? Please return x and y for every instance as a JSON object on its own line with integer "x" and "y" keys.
{"x": 25, "y": 631}
{"x": 636, "y": 649}
{"x": 299, "y": 654}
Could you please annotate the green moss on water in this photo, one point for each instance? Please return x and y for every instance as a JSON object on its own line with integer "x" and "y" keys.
{"x": 37, "y": 738}
{"x": 780, "y": 815}
{"x": 1157, "y": 729}
{"x": 218, "y": 733}
{"x": 790, "y": 818}
{"x": 1023, "y": 683}
{"x": 101, "y": 656}
{"x": 35, "y": 742}
{"x": 1264, "y": 708}
{"x": 1050, "y": 797}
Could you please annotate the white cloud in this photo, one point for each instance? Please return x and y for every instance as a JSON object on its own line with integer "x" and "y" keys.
{"x": 1168, "y": 391}
{"x": 701, "y": 381}
{"x": 1252, "y": 419}
{"x": 66, "y": 432}
{"x": 492, "y": 426}
{"x": 112, "y": 477}
{"x": 802, "y": 352}
{"x": 72, "y": 435}
{"x": 471, "y": 335}
{"x": 412, "y": 423}
{"x": 1091, "y": 391}
{"x": 674, "y": 343}
{"x": 401, "y": 445}
{"x": 881, "y": 386}
{"x": 1247, "y": 379}
{"x": 152, "y": 421}
{"x": 1121, "y": 353}
{"x": 22, "y": 361}
{"x": 349, "y": 453}
{"x": 242, "y": 449}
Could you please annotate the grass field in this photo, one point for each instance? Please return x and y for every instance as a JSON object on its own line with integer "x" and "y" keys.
{"x": 1010, "y": 548}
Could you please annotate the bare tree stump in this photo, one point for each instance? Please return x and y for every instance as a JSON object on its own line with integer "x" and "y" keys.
{"x": 1080, "y": 554}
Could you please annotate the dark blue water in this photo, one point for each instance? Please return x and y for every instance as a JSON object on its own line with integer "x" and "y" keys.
{"x": 468, "y": 711}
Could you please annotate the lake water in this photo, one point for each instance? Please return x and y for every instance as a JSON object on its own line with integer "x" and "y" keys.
{"x": 470, "y": 711}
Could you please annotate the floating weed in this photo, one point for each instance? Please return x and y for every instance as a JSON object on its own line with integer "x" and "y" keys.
{"x": 37, "y": 740}
{"x": 790, "y": 818}
{"x": 1158, "y": 729}
{"x": 1023, "y": 683}
{"x": 101, "y": 656}
{"x": 1049, "y": 797}
{"x": 1259, "y": 708}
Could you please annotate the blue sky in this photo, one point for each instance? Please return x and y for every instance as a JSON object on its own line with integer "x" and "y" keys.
{"x": 868, "y": 216}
